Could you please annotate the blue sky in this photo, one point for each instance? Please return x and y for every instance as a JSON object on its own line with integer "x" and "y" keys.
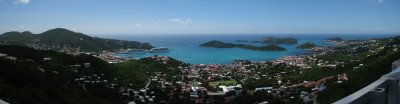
{"x": 203, "y": 16}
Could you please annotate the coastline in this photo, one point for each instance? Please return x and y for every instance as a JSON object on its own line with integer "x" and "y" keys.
{"x": 116, "y": 56}
{"x": 185, "y": 48}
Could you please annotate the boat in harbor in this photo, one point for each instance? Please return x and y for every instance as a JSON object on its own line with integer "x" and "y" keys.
{"x": 160, "y": 49}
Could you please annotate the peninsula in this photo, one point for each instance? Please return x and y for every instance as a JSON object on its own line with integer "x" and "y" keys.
{"x": 60, "y": 38}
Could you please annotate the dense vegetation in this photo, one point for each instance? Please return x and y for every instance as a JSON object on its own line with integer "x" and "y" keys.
{"x": 60, "y": 37}
{"x": 30, "y": 78}
{"x": 377, "y": 63}
{"x": 219, "y": 44}
{"x": 359, "y": 61}
{"x": 137, "y": 72}
{"x": 307, "y": 45}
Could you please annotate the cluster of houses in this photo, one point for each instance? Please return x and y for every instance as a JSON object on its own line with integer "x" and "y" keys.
{"x": 246, "y": 70}
{"x": 142, "y": 96}
{"x": 7, "y": 57}
{"x": 60, "y": 48}
{"x": 159, "y": 59}
{"x": 299, "y": 61}
{"x": 108, "y": 57}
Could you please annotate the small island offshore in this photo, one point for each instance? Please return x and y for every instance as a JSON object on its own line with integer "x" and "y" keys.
{"x": 271, "y": 44}
{"x": 307, "y": 45}
{"x": 273, "y": 40}
{"x": 276, "y": 40}
{"x": 219, "y": 44}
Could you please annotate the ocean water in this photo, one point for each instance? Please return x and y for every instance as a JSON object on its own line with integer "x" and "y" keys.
{"x": 186, "y": 47}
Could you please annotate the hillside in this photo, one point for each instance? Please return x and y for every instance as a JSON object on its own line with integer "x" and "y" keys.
{"x": 49, "y": 77}
{"x": 28, "y": 78}
{"x": 219, "y": 44}
{"x": 60, "y": 37}
{"x": 375, "y": 65}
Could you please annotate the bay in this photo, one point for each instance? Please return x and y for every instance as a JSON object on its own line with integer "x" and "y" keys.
{"x": 186, "y": 47}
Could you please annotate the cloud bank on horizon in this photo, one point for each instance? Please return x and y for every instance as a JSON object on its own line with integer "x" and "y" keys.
{"x": 202, "y": 17}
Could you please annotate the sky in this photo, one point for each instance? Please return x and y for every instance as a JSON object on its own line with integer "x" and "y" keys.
{"x": 203, "y": 16}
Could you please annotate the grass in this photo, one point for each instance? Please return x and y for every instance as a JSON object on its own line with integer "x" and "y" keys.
{"x": 226, "y": 82}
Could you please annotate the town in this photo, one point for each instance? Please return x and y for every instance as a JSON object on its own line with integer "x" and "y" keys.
{"x": 291, "y": 79}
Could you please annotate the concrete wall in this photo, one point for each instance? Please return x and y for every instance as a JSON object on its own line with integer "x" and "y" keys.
{"x": 395, "y": 64}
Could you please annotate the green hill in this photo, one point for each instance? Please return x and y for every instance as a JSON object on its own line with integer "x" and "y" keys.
{"x": 63, "y": 37}
{"x": 307, "y": 45}
{"x": 276, "y": 40}
{"x": 28, "y": 78}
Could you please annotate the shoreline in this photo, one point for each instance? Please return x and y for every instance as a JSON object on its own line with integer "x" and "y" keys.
{"x": 307, "y": 52}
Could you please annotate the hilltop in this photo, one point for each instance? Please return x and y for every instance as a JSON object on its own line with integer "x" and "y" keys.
{"x": 60, "y": 37}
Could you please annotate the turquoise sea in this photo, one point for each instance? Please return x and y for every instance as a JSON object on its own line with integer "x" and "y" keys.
{"x": 186, "y": 47}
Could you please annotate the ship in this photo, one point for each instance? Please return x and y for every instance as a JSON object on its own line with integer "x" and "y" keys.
{"x": 160, "y": 49}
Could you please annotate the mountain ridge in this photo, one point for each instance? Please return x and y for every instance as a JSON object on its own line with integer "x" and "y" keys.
{"x": 65, "y": 37}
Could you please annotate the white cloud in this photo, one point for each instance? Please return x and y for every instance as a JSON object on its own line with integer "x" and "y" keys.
{"x": 21, "y": 1}
{"x": 138, "y": 25}
{"x": 380, "y": 1}
{"x": 187, "y": 21}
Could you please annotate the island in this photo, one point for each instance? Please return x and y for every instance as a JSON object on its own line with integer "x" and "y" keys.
{"x": 220, "y": 44}
{"x": 273, "y": 40}
{"x": 276, "y": 40}
{"x": 307, "y": 45}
